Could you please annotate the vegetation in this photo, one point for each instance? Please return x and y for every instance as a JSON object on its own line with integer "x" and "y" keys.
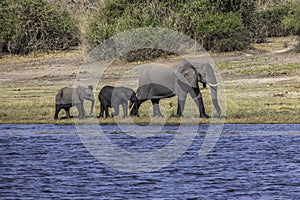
{"x": 291, "y": 22}
{"x": 202, "y": 20}
{"x": 36, "y": 25}
{"x": 33, "y": 25}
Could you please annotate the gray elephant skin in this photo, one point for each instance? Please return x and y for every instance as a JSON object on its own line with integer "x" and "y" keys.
{"x": 113, "y": 97}
{"x": 68, "y": 97}
{"x": 158, "y": 81}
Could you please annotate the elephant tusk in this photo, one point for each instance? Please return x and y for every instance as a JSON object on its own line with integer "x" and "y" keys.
{"x": 213, "y": 85}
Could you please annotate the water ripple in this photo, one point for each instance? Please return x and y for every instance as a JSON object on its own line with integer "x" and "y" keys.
{"x": 243, "y": 165}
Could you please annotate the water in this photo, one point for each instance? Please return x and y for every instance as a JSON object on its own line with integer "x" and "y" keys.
{"x": 248, "y": 162}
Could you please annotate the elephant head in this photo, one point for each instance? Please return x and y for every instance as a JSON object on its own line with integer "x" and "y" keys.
{"x": 204, "y": 73}
{"x": 84, "y": 93}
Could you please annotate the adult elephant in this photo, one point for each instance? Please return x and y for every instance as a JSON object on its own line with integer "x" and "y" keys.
{"x": 110, "y": 96}
{"x": 157, "y": 82}
{"x": 68, "y": 97}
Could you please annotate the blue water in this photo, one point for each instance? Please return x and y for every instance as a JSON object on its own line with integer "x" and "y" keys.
{"x": 248, "y": 162}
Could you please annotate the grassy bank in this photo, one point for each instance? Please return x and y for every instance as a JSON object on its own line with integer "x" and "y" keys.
{"x": 260, "y": 87}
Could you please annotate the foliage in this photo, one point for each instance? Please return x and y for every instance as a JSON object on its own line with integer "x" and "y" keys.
{"x": 217, "y": 25}
{"x": 35, "y": 25}
{"x": 269, "y": 21}
{"x": 223, "y": 32}
{"x": 292, "y": 24}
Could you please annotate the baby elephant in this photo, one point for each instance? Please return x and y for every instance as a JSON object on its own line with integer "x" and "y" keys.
{"x": 113, "y": 97}
{"x": 68, "y": 97}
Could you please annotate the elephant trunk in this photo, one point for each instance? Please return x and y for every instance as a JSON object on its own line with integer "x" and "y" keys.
{"x": 92, "y": 106}
{"x": 136, "y": 104}
{"x": 214, "y": 97}
{"x": 133, "y": 104}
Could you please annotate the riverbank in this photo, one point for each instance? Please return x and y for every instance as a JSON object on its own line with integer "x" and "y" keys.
{"x": 261, "y": 85}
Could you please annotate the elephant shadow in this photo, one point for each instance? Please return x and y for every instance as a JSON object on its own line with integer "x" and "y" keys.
{"x": 77, "y": 117}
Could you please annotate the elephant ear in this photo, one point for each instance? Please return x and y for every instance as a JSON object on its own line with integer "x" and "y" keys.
{"x": 188, "y": 74}
{"x": 81, "y": 93}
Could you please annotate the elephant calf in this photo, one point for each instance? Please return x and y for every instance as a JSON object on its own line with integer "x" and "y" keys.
{"x": 113, "y": 97}
{"x": 68, "y": 97}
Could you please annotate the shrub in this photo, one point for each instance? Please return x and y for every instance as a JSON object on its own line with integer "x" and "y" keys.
{"x": 127, "y": 17}
{"x": 268, "y": 22}
{"x": 34, "y": 25}
{"x": 291, "y": 23}
{"x": 203, "y": 20}
{"x": 223, "y": 32}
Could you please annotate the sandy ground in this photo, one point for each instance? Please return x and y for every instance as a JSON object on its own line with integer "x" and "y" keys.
{"x": 62, "y": 69}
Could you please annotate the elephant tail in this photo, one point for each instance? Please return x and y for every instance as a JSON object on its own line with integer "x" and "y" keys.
{"x": 61, "y": 92}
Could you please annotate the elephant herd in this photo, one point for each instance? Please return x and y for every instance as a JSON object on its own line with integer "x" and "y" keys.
{"x": 155, "y": 83}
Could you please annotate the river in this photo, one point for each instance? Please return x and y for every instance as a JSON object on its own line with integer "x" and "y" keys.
{"x": 249, "y": 161}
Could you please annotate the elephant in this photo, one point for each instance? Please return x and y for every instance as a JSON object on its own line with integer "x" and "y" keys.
{"x": 110, "y": 96}
{"x": 68, "y": 97}
{"x": 157, "y": 82}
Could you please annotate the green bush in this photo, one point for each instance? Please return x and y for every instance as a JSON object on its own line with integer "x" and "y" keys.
{"x": 205, "y": 21}
{"x": 223, "y": 32}
{"x": 291, "y": 23}
{"x": 117, "y": 16}
{"x": 128, "y": 17}
{"x": 268, "y": 22}
{"x": 35, "y": 25}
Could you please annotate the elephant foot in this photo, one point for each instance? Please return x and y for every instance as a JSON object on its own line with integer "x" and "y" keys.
{"x": 217, "y": 115}
{"x": 178, "y": 116}
{"x": 134, "y": 115}
{"x": 67, "y": 117}
{"x": 204, "y": 116}
{"x": 114, "y": 114}
{"x": 158, "y": 115}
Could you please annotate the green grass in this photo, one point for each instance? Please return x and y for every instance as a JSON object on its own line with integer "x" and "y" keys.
{"x": 36, "y": 105}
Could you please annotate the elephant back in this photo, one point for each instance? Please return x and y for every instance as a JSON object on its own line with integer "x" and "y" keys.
{"x": 64, "y": 96}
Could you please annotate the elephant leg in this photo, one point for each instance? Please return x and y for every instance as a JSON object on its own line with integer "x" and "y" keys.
{"x": 67, "y": 110}
{"x": 57, "y": 109}
{"x": 101, "y": 110}
{"x": 180, "y": 107}
{"x": 156, "y": 110}
{"x": 83, "y": 111}
{"x": 106, "y": 112}
{"x": 80, "y": 110}
{"x": 199, "y": 102}
{"x": 116, "y": 108}
{"x": 125, "y": 109}
{"x": 197, "y": 97}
